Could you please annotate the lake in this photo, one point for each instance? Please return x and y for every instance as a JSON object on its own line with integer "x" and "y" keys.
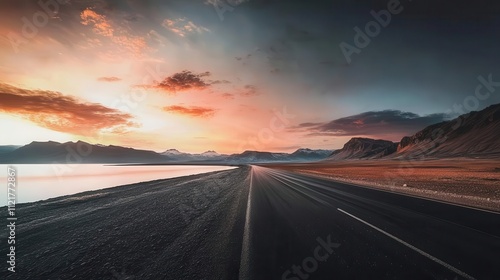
{"x": 42, "y": 181}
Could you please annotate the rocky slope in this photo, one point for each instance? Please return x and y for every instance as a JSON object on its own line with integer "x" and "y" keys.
{"x": 475, "y": 134}
{"x": 472, "y": 135}
{"x": 364, "y": 148}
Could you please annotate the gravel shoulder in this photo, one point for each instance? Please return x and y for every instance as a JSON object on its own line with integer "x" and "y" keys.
{"x": 181, "y": 228}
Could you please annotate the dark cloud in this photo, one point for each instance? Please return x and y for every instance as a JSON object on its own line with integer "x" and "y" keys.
{"x": 245, "y": 91}
{"x": 249, "y": 90}
{"x": 240, "y": 58}
{"x": 422, "y": 51}
{"x": 59, "y": 112}
{"x": 192, "y": 111}
{"x": 217, "y": 82}
{"x": 295, "y": 33}
{"x": 309, "y": 124}
{"x": 132, "y": 18}
{"x": 185, "y": 80}
{"x": 472, "y": 10}
{"x": 109, "y": 79}
{"x": 388, "y": 123}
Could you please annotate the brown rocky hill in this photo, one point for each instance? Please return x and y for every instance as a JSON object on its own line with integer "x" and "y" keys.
{"x": 472, "y": 135}
{"x": 364, "y": 148}
{"x": 475, "y": 134}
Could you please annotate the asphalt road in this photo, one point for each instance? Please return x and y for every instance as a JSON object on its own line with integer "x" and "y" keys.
{"x": 251, "y": 223}
{"x": 303, "y": 227}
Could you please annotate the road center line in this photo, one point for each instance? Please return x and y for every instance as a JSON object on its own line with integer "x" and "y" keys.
{"x": 448, "y": 266}
{"x": 245, "y": 246}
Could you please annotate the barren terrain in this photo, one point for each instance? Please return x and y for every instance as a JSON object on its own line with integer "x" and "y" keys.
{"x": 471, "y": 182}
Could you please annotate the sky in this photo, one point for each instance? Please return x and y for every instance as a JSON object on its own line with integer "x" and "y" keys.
{"x": 235, "y": 75}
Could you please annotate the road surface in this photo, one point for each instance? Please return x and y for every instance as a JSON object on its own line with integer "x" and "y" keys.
{"x": 251, "y": 223}
{"x": 303, "y": 227}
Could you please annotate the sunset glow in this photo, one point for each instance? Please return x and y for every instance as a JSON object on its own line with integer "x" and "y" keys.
{"x": 175, "y": 74}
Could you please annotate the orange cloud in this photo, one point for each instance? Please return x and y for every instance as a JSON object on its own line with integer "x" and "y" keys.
{"x": 182, "y": 27}
{"x": 62, "y": 113}
{"x": 99, "y": 22}
{"x": 101, "y": 25}
{"x": 192, "y": 111}
{"x": 109, "y": 79}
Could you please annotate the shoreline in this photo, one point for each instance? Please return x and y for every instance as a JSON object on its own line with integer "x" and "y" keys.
{"x": 45, "y": 181}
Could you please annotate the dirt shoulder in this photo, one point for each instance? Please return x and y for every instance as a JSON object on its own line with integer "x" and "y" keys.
{"x": 470, "y": 182}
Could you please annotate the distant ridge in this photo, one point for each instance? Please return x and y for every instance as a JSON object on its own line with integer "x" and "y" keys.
{"x": 364, "y": 148}
{"x": 8, "y": 148}
{"x": 78, "y": 152}
{"x": 176, "y": 155}
{"x": 476, "y": 134}
{"x": 473, "y": 135}
{"x": 82, "y": 152}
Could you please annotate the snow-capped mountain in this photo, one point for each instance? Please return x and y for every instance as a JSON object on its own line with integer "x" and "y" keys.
{"x": 210, "y": 154}
{"x": 177, "y": 155}
{"x": 173, "y": 152}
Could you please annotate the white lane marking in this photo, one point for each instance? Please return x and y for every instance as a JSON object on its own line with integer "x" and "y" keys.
{"x": 398, "y": 193}
{"x": 245, "y": 246}
{"x": 448, "y": 266}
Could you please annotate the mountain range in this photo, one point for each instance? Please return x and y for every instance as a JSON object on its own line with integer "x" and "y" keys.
{"x": 475, "y": 134}
{"x": 176, "y": 155}
{"x": 82, "y": 152}
{"x": 77, "y": 152}
{"x": 7, "y": 148}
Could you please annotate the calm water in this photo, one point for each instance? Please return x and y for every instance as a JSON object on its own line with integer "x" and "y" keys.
{"x": 41, "y": 181}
